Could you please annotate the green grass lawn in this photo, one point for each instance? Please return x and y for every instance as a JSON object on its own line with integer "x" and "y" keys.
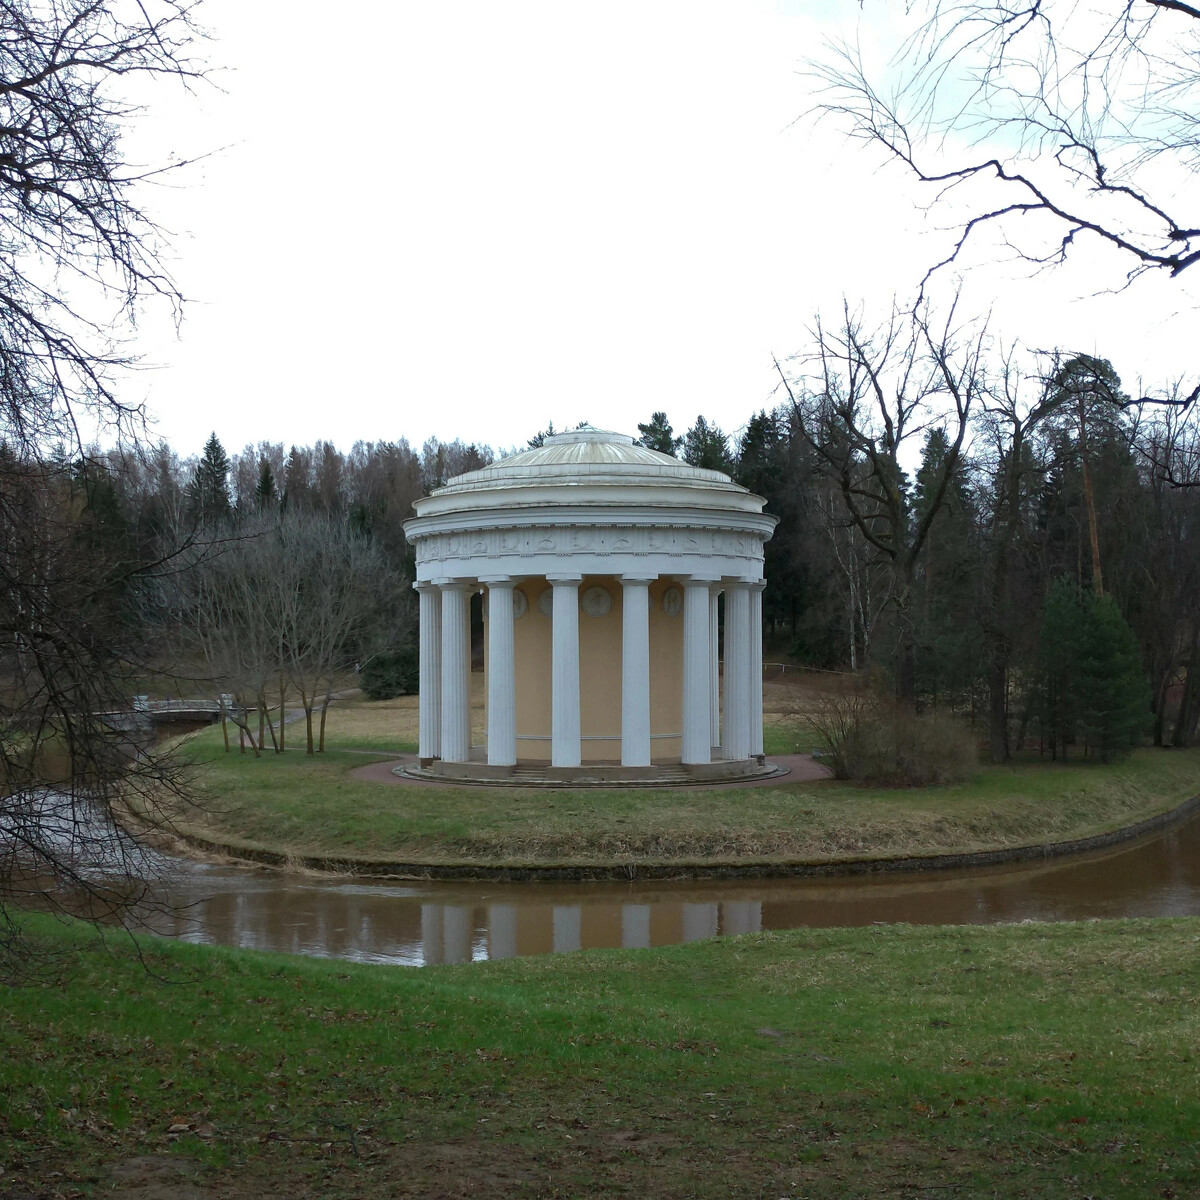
{"x": 313, "y": 806}
{"x": 1027, "y": 1061}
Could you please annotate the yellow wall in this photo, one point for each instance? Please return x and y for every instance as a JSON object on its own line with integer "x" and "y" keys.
{"x": 599, "y": 675}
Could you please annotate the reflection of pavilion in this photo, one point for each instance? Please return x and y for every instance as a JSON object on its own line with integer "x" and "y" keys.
{"x": 602, "y": 564}
{"x": 455, "y": 933}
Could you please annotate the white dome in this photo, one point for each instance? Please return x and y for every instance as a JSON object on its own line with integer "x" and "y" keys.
{"x": 589, "y": 466}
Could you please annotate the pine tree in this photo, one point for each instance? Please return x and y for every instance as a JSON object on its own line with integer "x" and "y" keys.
{"x": 658, "y": 435}
{"x": 208, "y": 495}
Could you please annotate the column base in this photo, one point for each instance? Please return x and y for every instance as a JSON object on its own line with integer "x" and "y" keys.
{"x": 597, "y": 775}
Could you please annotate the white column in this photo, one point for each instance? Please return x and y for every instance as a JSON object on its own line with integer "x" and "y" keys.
{"x": 635, "y": 672}
{"x": 737, "y": 672}
{"x": 502, "y": 931}
{"x": 501, "y": 682}
{"x": 456, "y": 672}
{"x": 714, "y": 634}
{"x": 567, "y": 925}
{"x": 756, "y": 668}
{"x": 564, "y": 674}
{"x": 635, "y": 926}
{"x": 697, "y": 692}
{"x": 429, "y": 735}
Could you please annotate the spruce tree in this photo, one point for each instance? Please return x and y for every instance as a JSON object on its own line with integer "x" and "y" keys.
{"x": 264, "y": 492}
{"x": 704, "y": 445}
{"x": 1113, "y": 693}
{"x": 209, "y": 492}
{"x": 1091, "y": 685}
{"x": 1056, "y": 698}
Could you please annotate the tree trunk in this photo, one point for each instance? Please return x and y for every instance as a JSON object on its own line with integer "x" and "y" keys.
{"x": 998, "y": 708}
{"x": 1090, "y": 502}
{"x": 264, "y": 707}
{"x": 1185, "y": 719}
{"x": 324, "y": 711}
{"x": 308, "y": 720}
{"x": 1160, "y": 708}
{"x": 225, "y": 729}
{"x": 282, "y": 715}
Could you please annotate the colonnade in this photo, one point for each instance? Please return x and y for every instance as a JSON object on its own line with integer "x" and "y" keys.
{"x": 445, "y": 670}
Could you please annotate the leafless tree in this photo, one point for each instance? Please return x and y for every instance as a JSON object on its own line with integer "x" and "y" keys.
{"x": 336, "y": 603}
{"x": 1052, "y": 123}
{"x": 860, "y": 397}
{"x": 78, "y": 257}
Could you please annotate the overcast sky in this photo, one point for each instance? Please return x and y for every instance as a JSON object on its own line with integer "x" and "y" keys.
{"x": 466, "y": 218}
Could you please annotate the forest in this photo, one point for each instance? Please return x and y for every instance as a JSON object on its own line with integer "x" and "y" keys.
{"x": 1002, "y": 536}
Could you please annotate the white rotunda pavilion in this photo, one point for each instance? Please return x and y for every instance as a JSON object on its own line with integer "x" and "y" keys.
{"x": 601, "y": 563}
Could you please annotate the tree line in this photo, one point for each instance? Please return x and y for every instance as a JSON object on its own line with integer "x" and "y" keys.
{"x": 937, "y": 492}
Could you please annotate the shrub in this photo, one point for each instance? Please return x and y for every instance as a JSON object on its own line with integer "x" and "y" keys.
{"x": 390, "y": 674}
{"x": 880, "y": 744}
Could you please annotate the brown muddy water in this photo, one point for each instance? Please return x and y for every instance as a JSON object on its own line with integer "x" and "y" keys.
{"x": 414, "y": 924}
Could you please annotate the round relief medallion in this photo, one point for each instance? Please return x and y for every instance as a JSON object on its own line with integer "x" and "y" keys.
{"x": 520, "y": 603}
{"x": 672, "y": 602}
{"x": 596, "y": 601}
{"x": 546, "y": 602}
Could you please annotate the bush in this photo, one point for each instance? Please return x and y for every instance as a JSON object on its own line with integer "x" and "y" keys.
{"x": 393, "y": 673}
{"x": 879, "y": 744}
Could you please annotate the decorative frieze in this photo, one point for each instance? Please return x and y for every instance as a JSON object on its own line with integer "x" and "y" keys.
{"x": 598, "y": 541}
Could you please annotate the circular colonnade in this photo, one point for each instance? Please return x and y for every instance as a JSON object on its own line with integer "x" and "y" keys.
{"x": 602, "y": 565}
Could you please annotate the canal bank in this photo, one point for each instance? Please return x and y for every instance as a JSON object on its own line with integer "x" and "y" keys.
{"x": 334, "y": 813}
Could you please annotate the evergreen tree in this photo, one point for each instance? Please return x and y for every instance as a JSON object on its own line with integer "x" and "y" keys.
{"x": 1091, "y": 685}
{"x": 760, "y": 459}
{"x": 658, "y": 435}
{"x": 704, "y": 445}
{"x": 1112, "y": 689}
{"x": 539, "y": 438}
{"x": 264, "y": 493}
{"x": 1056, "y": 699}
{"x": 208, "y": 495}
{"x": 947, "y": 601}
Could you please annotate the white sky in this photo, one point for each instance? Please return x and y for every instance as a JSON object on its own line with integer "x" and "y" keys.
{"x": 465, "y": 218}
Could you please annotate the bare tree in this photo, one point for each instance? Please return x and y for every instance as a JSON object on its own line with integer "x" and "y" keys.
{"x": 1051, "y": 123}
{"x": 79, "y": 257}
{"x": 337, "y": 596}
{"x": 863, "y": 395}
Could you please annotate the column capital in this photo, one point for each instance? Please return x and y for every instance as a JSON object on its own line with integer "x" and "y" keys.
{"x": 698, "y": 580}
{"x": 498, "y": 580}
{"x": 424, "y": 586}
{"x": 449, "y": 583}
{"x": 637, "y": 580}
{"x": 758, "y": 585}
{"x": 564, "y": 579}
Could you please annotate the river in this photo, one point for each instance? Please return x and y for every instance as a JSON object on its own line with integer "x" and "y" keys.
{"x": 417, "y": 923}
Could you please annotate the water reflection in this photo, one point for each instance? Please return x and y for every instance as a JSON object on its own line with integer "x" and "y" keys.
{"x": 419, "y": 923}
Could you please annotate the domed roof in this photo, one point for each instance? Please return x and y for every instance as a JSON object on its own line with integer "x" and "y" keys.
{"x": 586, "y": 457}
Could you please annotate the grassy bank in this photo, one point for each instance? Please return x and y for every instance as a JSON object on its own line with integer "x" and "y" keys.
{"x": 314, "y": 807}
{"x": 1023, "y": 1061}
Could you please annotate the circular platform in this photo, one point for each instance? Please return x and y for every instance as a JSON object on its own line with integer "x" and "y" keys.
{"x": 592, "y": 775}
